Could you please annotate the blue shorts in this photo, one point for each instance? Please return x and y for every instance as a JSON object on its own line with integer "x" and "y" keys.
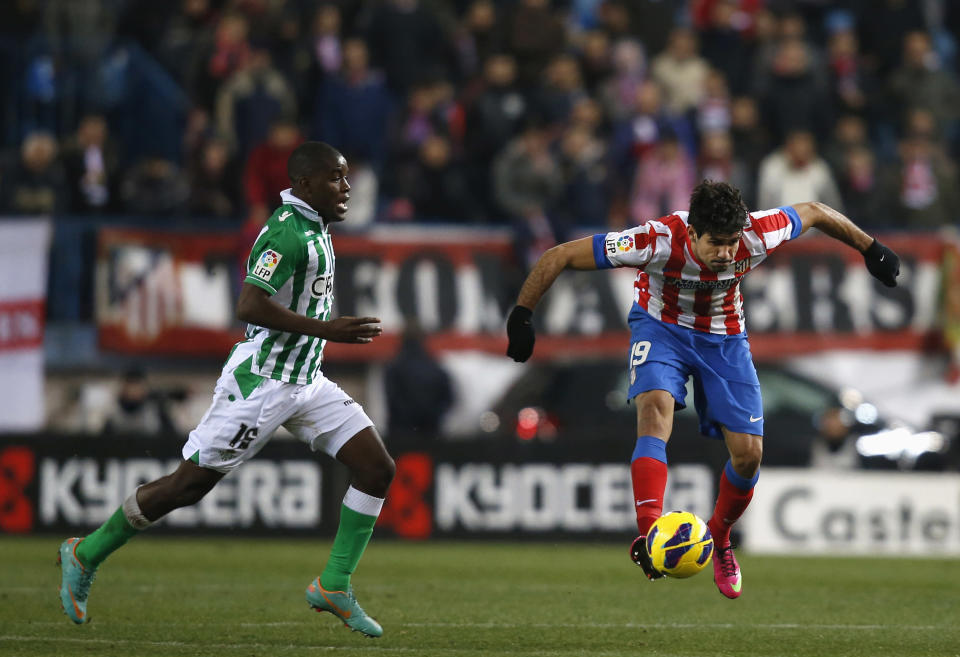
{"x": 726, "y": 390}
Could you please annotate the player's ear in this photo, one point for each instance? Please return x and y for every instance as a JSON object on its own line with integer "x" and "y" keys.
{"x": 692, "y": 232}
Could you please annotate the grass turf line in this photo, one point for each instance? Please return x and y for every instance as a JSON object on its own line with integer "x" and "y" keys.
{"x": 202, "y": 596}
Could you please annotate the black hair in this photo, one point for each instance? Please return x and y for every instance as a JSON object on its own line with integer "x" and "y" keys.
{"x": 717, "y": 208}
{"x": 309, "y": 157}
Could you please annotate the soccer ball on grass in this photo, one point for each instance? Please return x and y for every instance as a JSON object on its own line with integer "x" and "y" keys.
{"x": 679, "y": 544}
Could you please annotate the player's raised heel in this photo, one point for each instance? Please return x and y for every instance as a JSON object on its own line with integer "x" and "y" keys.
{"x": 75, "y": 581}
{"x": 343, "y": 605}
{"x": 638, "y": 552}
{"x": 726, "y": 572}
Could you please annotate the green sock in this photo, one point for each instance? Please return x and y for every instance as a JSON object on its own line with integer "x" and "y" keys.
{"x": 97, "y": 546}
{"x": 353, "y": 534}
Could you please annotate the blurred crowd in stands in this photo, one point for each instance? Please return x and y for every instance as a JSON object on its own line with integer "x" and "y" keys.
{"x": 548, "y": 116}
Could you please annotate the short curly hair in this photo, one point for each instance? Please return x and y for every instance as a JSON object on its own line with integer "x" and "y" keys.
{"x": 717, "y": 208}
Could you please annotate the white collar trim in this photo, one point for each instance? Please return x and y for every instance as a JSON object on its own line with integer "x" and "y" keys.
{"x": 302, "y": 206}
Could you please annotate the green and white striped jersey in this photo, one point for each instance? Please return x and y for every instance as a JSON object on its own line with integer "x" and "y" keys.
{"x": 293, "y": 260}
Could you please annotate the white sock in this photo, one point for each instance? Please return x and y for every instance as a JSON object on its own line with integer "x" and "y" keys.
{"x": 131, "y": 509}
{"x": 360, "y": 502}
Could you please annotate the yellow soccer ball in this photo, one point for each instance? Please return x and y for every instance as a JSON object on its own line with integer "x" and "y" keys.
{"x": 679, "y": 544}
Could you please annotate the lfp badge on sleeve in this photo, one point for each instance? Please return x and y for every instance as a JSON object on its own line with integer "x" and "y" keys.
{"x": 266, "y": 264}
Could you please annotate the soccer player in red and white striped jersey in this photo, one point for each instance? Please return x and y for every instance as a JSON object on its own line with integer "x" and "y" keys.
{"x": 687, "y": 321}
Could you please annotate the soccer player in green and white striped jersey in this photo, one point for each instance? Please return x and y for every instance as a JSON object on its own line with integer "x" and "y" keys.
{"x": 273, "y": 378}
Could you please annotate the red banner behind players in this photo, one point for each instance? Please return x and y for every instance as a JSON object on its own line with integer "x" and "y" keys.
{"x": 174, "y": 293}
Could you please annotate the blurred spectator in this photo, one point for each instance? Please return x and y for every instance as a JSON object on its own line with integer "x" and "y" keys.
{"x": 36, "y": 183}
{"x": 478, "y": 38}
{"x": 726, "y": 29}
{"x": 793, "y": 99}
{"x": 91, "y": 165}
{"x": 613, "y": 17}
{"x": 772, "y": 32}
{"x": 430, "y": 110}
{"x": 652, "y": 20}
{"x": 214, "y": 177}
{"x": 145, "y": 21}
{"x": 527, "y": 182}
{"x": 561, "y": 88}
{"x": 588, "y": 115}
{"x": 926, "y": 183}
{"x": 596, "y": 60}
{"x": 253, "y": 97}
{"x": 751, "y": 141}
{"x": 493, "y": 118}
{"x": 222, "y": 54}
{"x": 265, "y": 173}
{"x": 795, "y": 173}
{"x": 852, "y": 86}
{"x": 639, "y": 134}
{"x": 663, "y": 182}
{"x": 618, "y": 93}
{"x": 325, "y": 44}
{"x": 353, "y": 108}
{"x": 407, "y": 43}
{"x": 318, "y": 56}
{"x": 182, "y": 40}
{"x": 920, "y": 83}
{"x": 681, "y": 72}
{"x": 535, "y": 34}
{"x": 718, "y": 163}
{"x": 140, "y": 410}
{"x": 883, "y": 26}
{"x": 864, "y": 190}
{"x": 434, "y": 187}
{"x": 197, "y": 131}
{"x": 585, "y": 198}
{"x": 419, "y": 390}
{"x": 849, "y": 132}
{"x": 714, "y": 111}
{"x": 154, "y": 187}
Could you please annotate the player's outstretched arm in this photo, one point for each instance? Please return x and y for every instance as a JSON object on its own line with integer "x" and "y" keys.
{"x": 256, "y": 307}
{"x": 882, "y": 262}
{"x": 577, "y": 254}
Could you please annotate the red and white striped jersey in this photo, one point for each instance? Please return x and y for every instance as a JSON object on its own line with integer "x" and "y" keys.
{"x": 674, "y": 287}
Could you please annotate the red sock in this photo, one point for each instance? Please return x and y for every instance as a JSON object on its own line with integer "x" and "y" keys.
{"x": 648, "y": 470}
{"x": 732, "y": 501}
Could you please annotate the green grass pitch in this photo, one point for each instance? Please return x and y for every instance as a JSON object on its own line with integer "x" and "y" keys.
{"x": 199, "y": 596}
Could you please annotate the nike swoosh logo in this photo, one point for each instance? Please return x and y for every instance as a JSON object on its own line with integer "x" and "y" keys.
{"x": 283, "y": 216}
{"x": 882, "y": 255}
{"x": 76, "y": 608}
{"x": 642, "y": 502}
{"x": 736, "y": 587}
{"x": 340, "y": 612}
{"x": 755, "y": 419}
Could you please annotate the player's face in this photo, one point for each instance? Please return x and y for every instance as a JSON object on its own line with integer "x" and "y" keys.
{"x": 329, "y": 191}
{"x": 715, "y": 251}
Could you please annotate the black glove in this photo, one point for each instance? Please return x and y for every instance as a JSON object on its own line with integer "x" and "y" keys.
{"x": 520, "y": 334}
{"x": 882, "y": 263}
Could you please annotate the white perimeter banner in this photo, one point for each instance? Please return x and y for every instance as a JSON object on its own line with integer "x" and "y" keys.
{"x": 804, "y": 512}
{"x": 23, "y": 247}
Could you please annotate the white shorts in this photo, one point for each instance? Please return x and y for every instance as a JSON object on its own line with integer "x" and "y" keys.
{"x": 235, "y": 428}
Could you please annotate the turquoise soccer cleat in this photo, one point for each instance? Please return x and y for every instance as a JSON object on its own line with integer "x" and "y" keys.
{"x": 344, "y": 606}
{"x": 75, "y": 581}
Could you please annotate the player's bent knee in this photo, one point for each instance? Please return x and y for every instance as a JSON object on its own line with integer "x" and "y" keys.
{"x": 747, "y": 460}
{"x": 376, "y": 475}
{"x": 384, "y": 471}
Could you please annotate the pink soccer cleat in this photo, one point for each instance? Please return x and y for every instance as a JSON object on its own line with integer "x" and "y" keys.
{"x": 726, "y": 572}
